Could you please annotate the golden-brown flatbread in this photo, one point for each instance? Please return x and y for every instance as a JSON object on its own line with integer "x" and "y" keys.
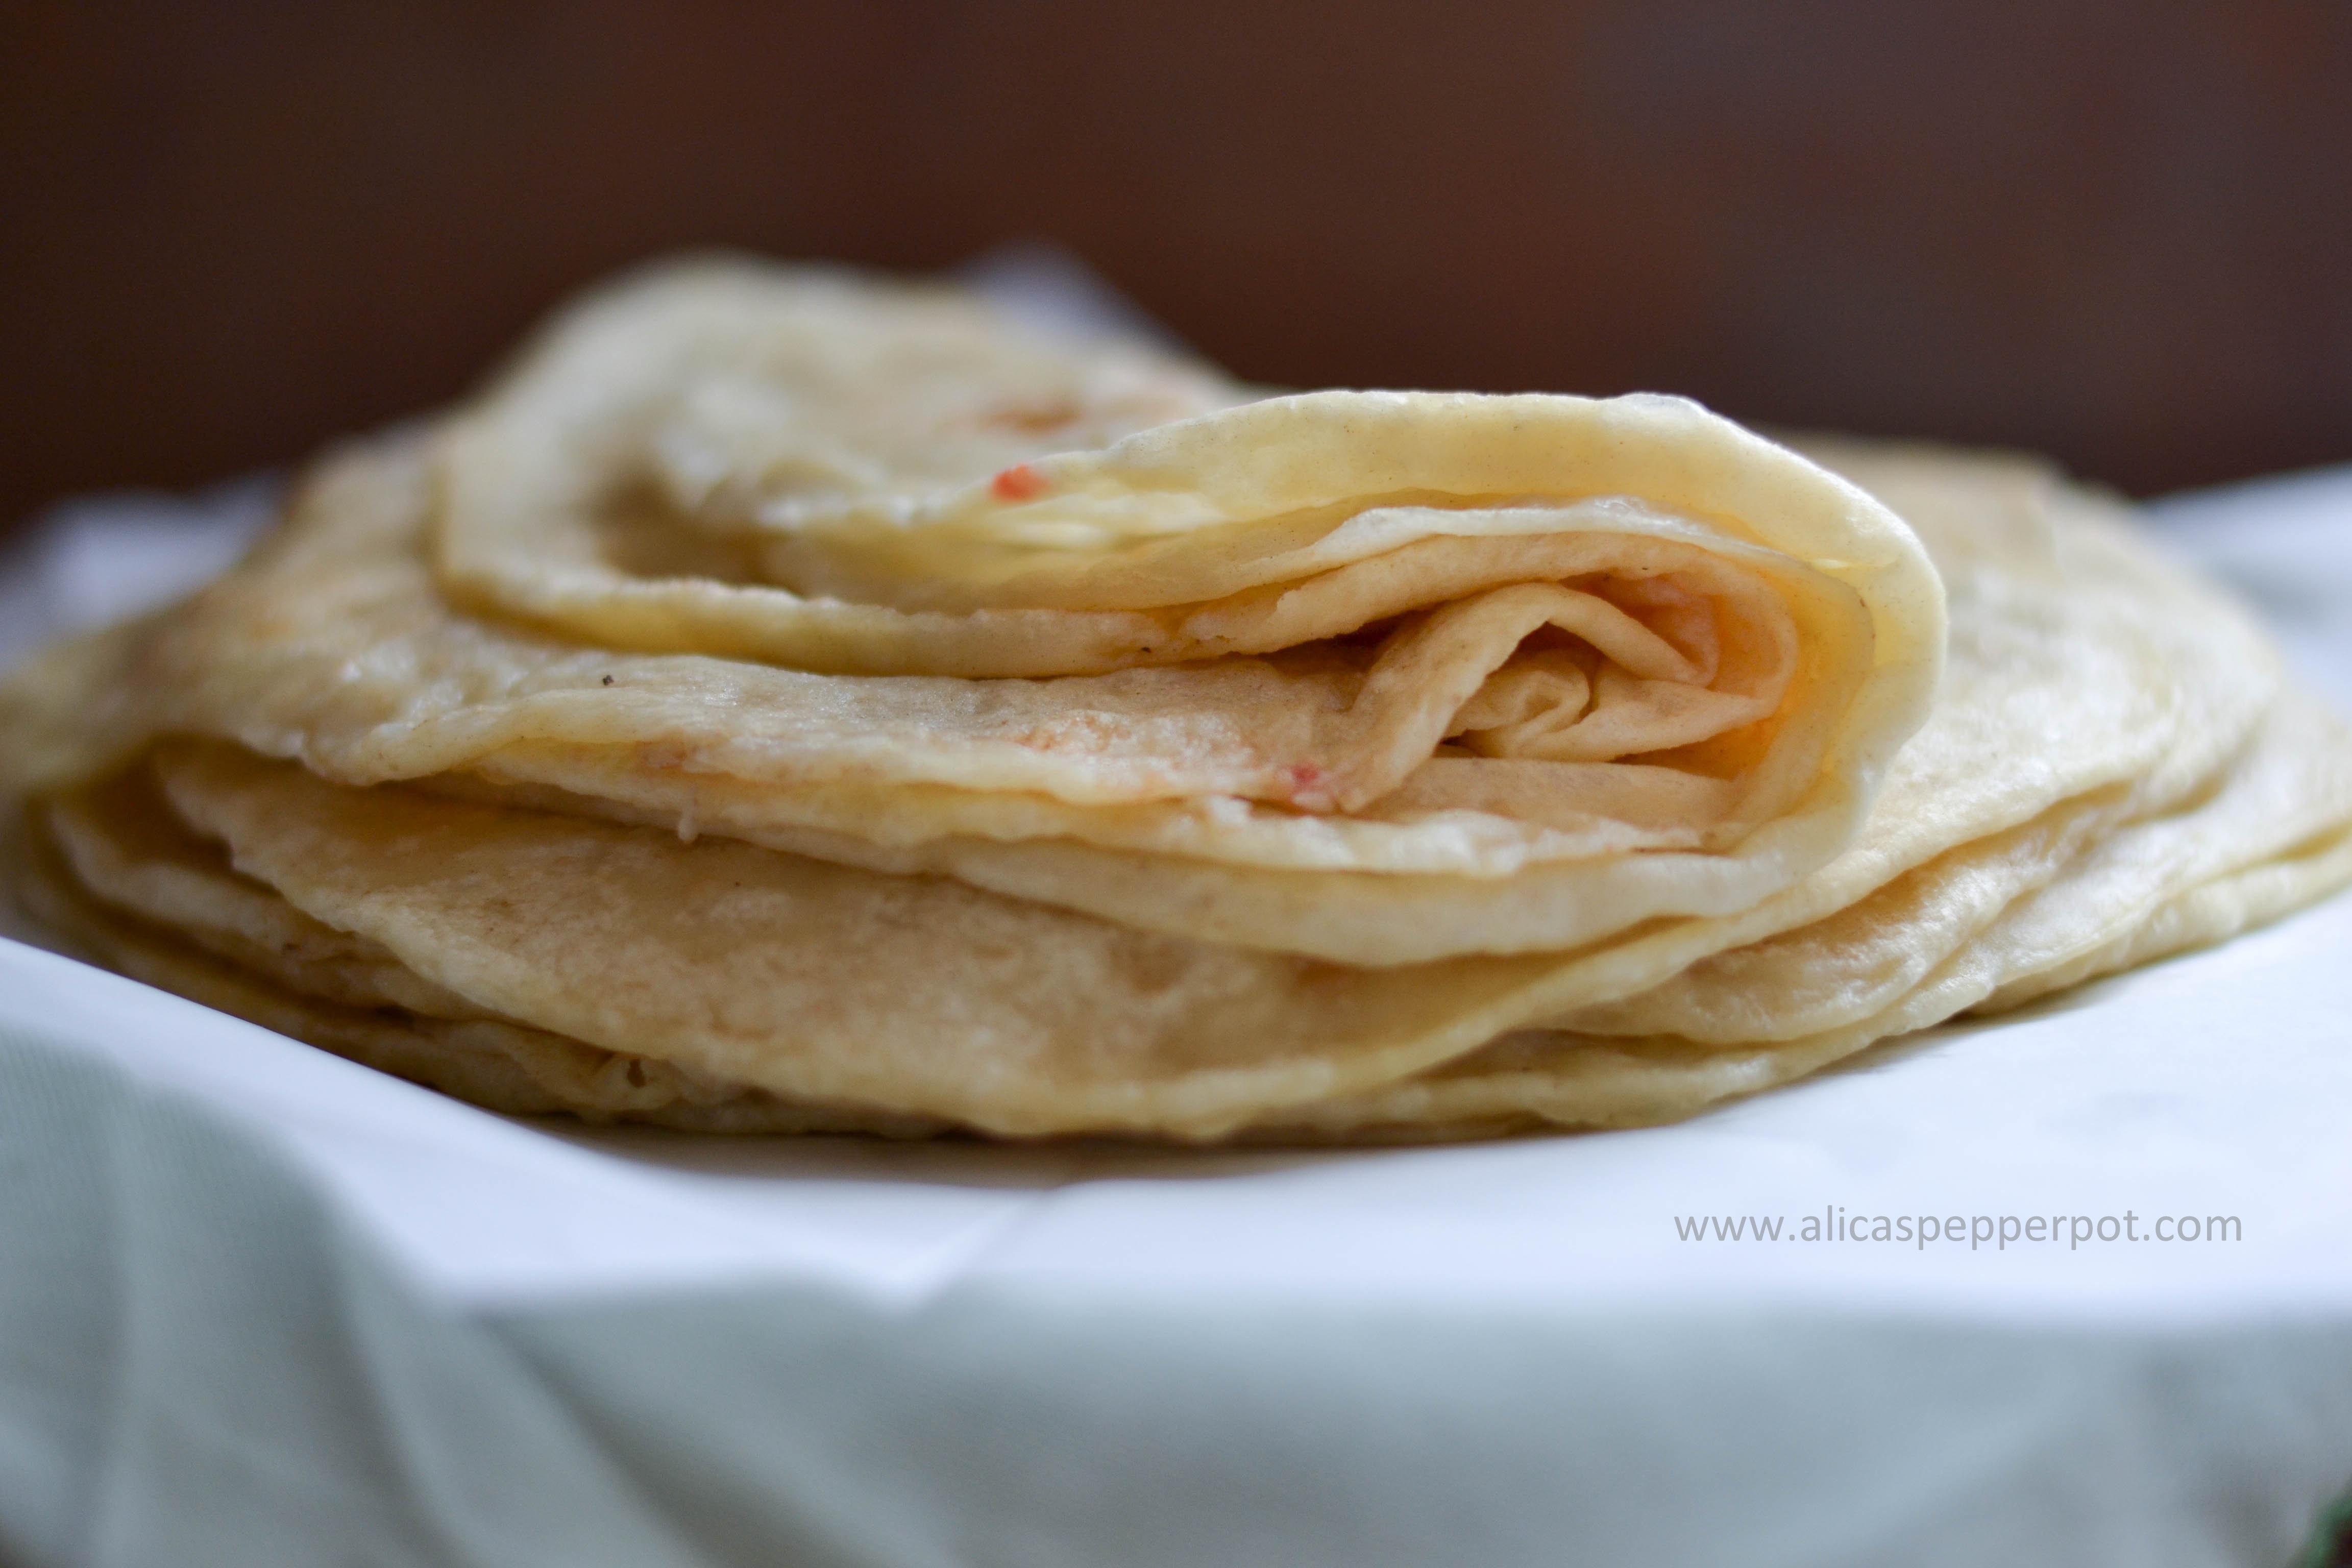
{"x": 792, "y": 701}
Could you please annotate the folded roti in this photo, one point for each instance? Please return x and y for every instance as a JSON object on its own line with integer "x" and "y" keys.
{"x": 791, "y": 701}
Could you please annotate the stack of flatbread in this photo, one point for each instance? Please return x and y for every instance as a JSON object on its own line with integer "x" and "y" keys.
{"x": 795, "y": 700}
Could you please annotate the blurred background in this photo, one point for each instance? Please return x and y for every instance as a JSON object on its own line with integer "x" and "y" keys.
{"x": 2121, "y": 233}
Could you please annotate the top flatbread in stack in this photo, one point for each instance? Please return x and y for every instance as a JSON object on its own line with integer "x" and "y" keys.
{"x": 790, "y": 700}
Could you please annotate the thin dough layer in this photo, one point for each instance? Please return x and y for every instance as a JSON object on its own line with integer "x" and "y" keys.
{"x": 787, "y": 701}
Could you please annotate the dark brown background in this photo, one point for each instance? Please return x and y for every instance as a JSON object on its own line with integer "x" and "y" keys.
{"x": 2120, "y": 232}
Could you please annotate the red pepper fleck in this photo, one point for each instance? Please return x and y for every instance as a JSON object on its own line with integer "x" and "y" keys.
{"x": 1019, "y": 482}
{"x": 1307, "y": 787}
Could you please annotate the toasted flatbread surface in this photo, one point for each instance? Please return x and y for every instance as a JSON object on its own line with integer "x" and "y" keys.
{"x": 789, "y": 702}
